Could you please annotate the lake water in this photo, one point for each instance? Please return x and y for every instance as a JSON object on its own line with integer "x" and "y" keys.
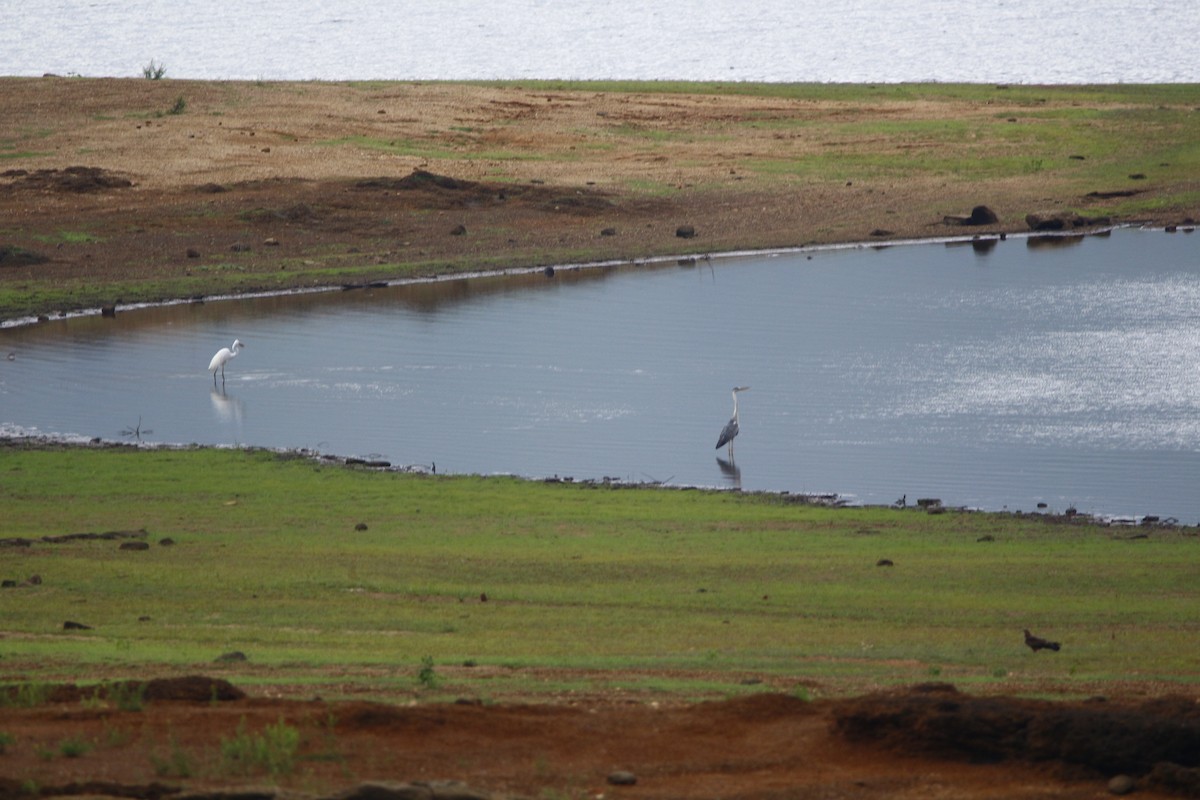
{"x": 1015, "y": 41}
{"x": 994, "y": 376}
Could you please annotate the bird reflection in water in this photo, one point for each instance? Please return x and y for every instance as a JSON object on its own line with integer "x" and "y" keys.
{"x": 731, "y": 472}
{"x": 226, "y": 408}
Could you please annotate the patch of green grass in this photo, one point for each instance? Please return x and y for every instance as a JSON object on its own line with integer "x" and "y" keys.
{"x": 24, "y": 695}
{"x": 273, "y": 751}
{"x": 6, "y": 153}
{"x": 431, "y": 149}
{"x": 74, "y": 747}
{"x": 177, "y": 763}
{"x": 577, "y": 577}
{"x": 69, "y": 237}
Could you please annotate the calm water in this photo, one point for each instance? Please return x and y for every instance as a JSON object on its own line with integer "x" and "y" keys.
{"x": 1017, "y": 41}
{"x": 997, "y": 379}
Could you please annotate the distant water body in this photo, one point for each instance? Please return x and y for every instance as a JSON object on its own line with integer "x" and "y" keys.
{"x": 1011, "y": 41}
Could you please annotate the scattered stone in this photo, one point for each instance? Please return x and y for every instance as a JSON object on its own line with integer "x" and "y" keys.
{"x": 33, "y": 580}
{"x": 884, "y": 562}
{"x": 233, "y": 656}
{"x": 980, "y": 215}
{"x": 548, "y": 272}
{"x": 193, "y": 252}
{"x": 987, "y": 537}
{"x": 8, "y": 583}
{"x": 75, "y": 626}
{"x": 211, "y": 188}
{"x": 608, "y": 232}
{"x": 928, "y": 502}
{"x": 362, "y": 526}
{"x": 622, "y": 778}
{"x": 1121, "y": 784}
{"x": 134, "y": 546}
{"x": 166, "y": 541}
{"x": 271, "y": 241}
{"x": 881, "y": 232}
{"x": 458, "y": 230}
{"x": 685, "y": 232}
{"x": 108, "y": 311}
{"x": 240, "y": 247}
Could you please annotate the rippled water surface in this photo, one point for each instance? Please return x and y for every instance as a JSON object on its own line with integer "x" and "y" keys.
{"x": 1019, "y": 41}
{"x": 993, "y": 377}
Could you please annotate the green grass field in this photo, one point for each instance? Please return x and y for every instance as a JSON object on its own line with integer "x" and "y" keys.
{"x": 643, "y": 585}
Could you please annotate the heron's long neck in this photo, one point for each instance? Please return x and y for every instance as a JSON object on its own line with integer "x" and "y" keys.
{"x": 735, "y": 405}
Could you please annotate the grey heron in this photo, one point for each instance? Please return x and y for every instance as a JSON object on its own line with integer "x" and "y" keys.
{"x": 223, "y": 355}
{"x": 731, "y": 428}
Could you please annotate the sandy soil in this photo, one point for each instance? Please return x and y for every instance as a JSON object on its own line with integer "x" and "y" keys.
{"x": 282, "y": 185}
{"x": 265, "y": 186}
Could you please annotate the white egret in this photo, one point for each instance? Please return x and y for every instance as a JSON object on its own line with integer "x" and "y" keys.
{"x": 731, "y": 428}
{"x": 222, "y": 356}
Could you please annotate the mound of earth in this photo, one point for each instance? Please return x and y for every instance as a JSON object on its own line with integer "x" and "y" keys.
{"x": 928, "y": 741}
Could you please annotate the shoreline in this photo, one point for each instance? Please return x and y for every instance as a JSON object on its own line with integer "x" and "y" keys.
{"x": 576, "y": 266}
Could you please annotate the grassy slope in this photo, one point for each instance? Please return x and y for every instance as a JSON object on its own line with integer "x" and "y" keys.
{"x": 977, "y": 139}
{"x": 267, "y": 561}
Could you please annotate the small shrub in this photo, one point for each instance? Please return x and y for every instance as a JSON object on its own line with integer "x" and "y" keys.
{"x": 24, "y": 695}
{"x": 273, "y": 751}
{"x": 427, "y": 677}
{"x": 177, "y": 764}
{"x": 128, "y": 695}
{"x": 154, "y": 71}
{"x": 5, "y": 740}
{"x": 178, "y": 107}
{"x": 74, "y": 747}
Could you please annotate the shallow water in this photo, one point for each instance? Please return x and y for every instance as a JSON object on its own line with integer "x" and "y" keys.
{"x": 995, "y": 378}
{"x": 1014, "y": 41}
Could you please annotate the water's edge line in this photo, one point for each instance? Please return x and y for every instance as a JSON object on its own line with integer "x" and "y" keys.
{"x": 580, "y": 266}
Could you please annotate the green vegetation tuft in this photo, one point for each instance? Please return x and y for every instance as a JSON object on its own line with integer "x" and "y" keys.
{"x": 154, "y": 71}
{"x": 273, "y": 751}
{"x": 24, "y": 695}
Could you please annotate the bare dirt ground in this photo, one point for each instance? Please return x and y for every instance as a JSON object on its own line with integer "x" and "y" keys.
{"x": 266, "y": 186}
{"x": 287, "y": 185}
{"x": 927, "y": 741}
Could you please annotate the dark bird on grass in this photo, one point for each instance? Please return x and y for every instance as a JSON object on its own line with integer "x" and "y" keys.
{"x": 731, "y": 428}
{"x": 1038, "y": 643}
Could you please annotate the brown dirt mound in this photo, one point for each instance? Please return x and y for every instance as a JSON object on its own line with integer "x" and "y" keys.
{"x": 1109, "y": 738}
